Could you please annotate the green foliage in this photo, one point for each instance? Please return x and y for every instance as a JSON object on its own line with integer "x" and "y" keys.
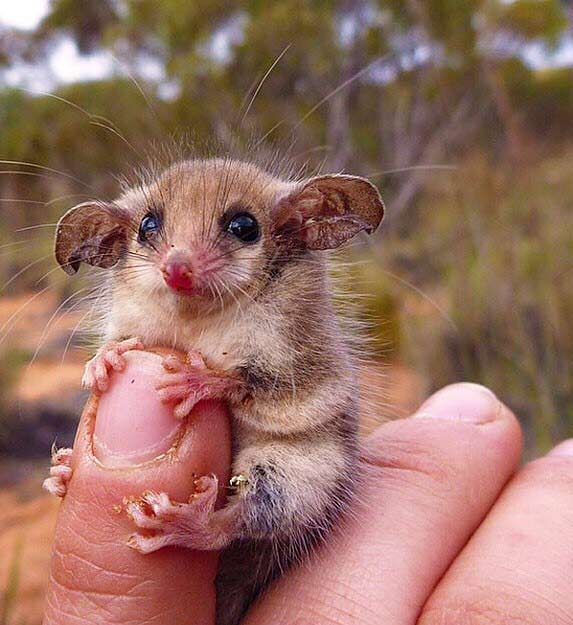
{"x": 85, "y": 20}
{"x": 531, "y": 19}
{"x": 498, "y": 266}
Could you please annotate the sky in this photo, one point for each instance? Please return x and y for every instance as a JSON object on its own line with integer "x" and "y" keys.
{"x": 66, "y": 65}
{"x": 23, "y": 13}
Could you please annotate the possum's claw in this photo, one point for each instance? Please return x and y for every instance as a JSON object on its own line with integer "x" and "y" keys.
{"x": 60, "y": 472}
{"x": 109, "y": 357}
{"x": 186, "y": 382}
{"x": 166, "y": 523}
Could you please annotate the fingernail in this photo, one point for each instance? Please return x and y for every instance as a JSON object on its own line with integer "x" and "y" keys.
{"x": 132, "y": 425}
{"x": 563, "y": 449}
{"x": 467, "y": 402}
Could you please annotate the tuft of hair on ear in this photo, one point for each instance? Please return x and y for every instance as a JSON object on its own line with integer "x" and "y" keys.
{"x": 92, "y": 232}
{"x": 327, "y": 211}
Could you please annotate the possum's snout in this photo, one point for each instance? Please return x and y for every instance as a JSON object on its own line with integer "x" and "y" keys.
{"x": 177, "y": 271}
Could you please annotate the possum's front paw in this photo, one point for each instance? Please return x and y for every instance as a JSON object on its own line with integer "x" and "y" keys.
{"x": 60, "y": 472}
{"x": 186, "y": 382}
{"x": 193, "y": 525}
{"x": 109, "y": 357}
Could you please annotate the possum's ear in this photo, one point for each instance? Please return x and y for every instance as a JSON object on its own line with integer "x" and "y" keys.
{"x": 328, "y": 211}
{"x": 94, "y": 233}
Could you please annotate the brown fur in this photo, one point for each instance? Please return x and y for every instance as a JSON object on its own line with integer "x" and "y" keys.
{"x": 267, "y": 316}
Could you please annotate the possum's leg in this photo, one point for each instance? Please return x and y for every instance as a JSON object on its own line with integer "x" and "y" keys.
{"x": 296, "y": 493}
{"x": 60, "y": 472}
{"x": 109, "y": 357}
{"x": 194, "y": 524}
{"x": 186, "y": 382}
{"x": 287, "y": 487}
{"x": 293, "y": 493}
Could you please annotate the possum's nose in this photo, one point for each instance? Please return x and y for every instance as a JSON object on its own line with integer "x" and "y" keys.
{"x": 178, "y": 273}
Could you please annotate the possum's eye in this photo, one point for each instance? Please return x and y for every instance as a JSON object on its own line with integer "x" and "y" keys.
{"x": 245, "y": 227}
{"x": 148, "y": 227}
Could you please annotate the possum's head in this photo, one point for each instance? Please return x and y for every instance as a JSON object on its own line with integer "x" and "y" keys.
{"x": 214, "y": 229}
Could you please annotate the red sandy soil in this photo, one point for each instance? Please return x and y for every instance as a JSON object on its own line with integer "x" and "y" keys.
{"x": 45, "y": 379}
{"x": 24, "y": 319}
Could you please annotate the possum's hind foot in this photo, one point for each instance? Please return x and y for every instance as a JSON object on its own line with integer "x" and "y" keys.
{"x": 109, "y": 357}
{"x": 162, "y": 522}
{"x": 186, "y": 382}
{"x": 60, "y": 472}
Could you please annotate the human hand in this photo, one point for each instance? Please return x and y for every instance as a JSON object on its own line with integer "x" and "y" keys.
{"x": 403, "y": 556}
{"x": 135, "y": 444}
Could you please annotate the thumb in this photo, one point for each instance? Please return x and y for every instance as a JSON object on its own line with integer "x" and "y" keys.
{"x": 127, "y": 443}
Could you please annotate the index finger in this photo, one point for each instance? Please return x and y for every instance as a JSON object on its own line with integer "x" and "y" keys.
{"x": 518, "y": 566}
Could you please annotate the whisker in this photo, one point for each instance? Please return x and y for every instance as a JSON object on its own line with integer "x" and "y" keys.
{"x": 107, "y": 124}
{"x": 21, "y": 172}
{"x": 23, "y": 270}
{"x": 66, "y": 197}
{"x": 21, "y": 242}
{"x": 35, "y": 227}
{"x": 115, "y": 132}
{"x": 49, "y": 169}
{"x": 340, "y": 87}
{"x": 421, "y": 293}
{"x": 48, "y": 325}
{"x": 56, "y": 97}
{"x": 400, "y": 170}
{"x": 268, "y": 133}
{"x": 230, "y": 292}
{"x": 78, "y": 324}
{"x": 262, "y": 82}
{"x": 21, "y": 200}
{"x": 125, "y": 69}
{"x": 14, "y": 316}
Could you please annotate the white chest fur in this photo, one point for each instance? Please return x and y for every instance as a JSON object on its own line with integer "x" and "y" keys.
{"x": 223, "y": 338}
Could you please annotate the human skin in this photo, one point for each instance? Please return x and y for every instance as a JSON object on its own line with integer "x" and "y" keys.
{"x": 446, "y": 529}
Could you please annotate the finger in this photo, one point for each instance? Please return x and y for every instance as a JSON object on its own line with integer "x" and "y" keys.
{"x": 184, "y": 408}
{"x": 427, "y": 484}
{"x": 519, "y": 565}
{"x": 172, "y": 363}
{"x": 128, "y": 345}
{"x": 167, "y": 393}
{"x": 131, "y": 445}
{"x": 101, "y": 375}
{"x": 115, "y": 361}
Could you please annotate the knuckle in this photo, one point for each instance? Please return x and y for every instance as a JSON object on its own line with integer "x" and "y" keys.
{"x": 405, "y": 459}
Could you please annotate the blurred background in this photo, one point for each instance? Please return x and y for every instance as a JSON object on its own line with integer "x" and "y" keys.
{"x": 459, "y": 110}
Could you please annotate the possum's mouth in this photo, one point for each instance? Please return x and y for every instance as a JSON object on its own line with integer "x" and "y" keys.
{"x": 196, "y": 293}
{"x": 184, "y": 292}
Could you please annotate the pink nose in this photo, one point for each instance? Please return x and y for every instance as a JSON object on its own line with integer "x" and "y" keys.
{"x": 178, "y": 274}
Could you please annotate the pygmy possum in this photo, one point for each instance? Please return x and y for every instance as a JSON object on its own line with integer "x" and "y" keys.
{"x": 228, "y": 263}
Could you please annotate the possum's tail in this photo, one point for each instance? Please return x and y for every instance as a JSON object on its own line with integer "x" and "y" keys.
{"x": 246, "y": 567}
